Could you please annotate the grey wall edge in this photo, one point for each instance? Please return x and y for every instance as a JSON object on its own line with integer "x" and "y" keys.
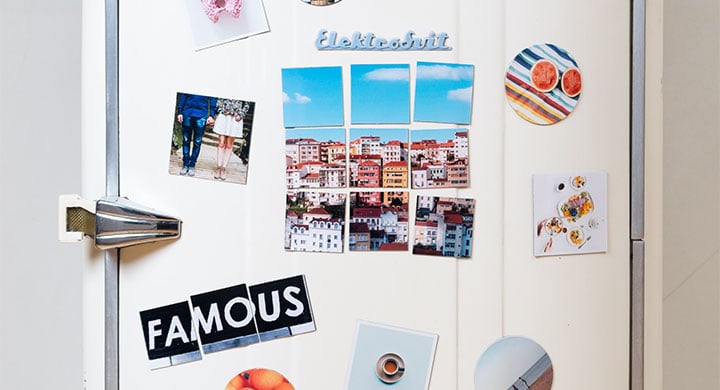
{"x": 637, "y": 125}
{"x": 637, "y": 197}
{"x": 637, "y": 317}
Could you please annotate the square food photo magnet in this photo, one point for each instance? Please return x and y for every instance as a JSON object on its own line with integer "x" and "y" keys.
{"x": 570, "y": 213}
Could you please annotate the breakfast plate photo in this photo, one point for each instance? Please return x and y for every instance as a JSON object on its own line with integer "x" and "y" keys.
{"x": 570, "y": 213}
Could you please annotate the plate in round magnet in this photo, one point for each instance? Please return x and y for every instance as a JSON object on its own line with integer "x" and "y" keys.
{"x": 390, "y": 368}
{"x": 514, "y": 362}
{"x": 321, "y": 2}
{"x": 259, "y": 379}
{"x": 534, "y": 84}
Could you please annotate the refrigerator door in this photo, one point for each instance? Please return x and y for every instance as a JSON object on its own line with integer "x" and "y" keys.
{"x": 576, "y": 307}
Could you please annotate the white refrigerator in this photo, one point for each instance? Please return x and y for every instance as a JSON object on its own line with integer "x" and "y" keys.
{"x": 576, "y": 305}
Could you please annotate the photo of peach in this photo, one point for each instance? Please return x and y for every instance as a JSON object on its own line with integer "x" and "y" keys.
{"x": 259, "y": 379}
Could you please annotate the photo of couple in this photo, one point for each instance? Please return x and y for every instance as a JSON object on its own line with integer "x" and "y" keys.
{"x": 211, "y": 138}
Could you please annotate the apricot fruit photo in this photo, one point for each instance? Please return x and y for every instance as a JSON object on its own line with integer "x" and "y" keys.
{"x": 259, "y": 379}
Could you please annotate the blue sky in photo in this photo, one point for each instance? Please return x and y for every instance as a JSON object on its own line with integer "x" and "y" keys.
{"x": 443, "y": 92}
{"x": 440, "y": 135}
{"x": 320, "y": 135}
{"x": 312, "y": 97}
{"x": 385, "y": 135}
{"x": 380, "y": 93}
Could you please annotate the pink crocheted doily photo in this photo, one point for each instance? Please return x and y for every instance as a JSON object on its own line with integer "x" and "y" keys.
{"x": 214, "y": 8}
{"x": 215, "y": 22}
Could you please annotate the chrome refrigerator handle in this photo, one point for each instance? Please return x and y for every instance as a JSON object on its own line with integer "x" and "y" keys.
{"x": 114, "y": 222}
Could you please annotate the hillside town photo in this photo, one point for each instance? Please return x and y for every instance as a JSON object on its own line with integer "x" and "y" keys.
{"x": 315, "y": 158}
{"x": 378, "y": 221}
{"x": 443, "y": 226}
{"x": 378, "y": 158}
{"x": 439, "y": 158}
{"x": 314, "y": 222}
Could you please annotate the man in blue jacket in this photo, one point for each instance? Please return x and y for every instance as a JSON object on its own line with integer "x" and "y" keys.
{"x": 194, "y": 112}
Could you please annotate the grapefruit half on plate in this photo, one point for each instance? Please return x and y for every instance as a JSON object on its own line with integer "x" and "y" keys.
{"x": 571, "y": 83}
{"x": 544, "y": 75}
{"x": 259, "y": 379}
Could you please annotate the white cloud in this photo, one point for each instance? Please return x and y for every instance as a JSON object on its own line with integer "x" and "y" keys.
{"x": 301, "y": 99}
{"x": 297, "y": 98}
{"x": 388, "y": 74}
{"x": 445, "y": 72}
{"x": 462, "y": 94}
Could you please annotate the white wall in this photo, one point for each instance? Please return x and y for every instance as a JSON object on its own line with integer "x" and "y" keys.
{"x": 691, "y": 155}
{"x": 40, "y": 279}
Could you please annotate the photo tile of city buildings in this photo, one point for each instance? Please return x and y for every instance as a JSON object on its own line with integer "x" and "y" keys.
{"x": 439, "y": 158}
{"x": 443, "y": 226}
{"x": 379, "y": 221}
{"x": 314, "y": 221}
{"x": 377, "y": 164}
{"x": 380, "y": 94}
{"x": 378, "y": 158}
{"x": 315, "y": 158}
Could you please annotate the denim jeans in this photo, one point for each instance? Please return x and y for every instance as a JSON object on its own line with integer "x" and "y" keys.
{"x": 193, "y": 129}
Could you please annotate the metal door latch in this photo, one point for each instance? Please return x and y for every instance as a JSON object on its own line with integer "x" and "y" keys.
{"x": 113, "y": 222}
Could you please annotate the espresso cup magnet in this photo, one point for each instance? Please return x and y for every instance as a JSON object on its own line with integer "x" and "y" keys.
{"x": 390, "y": 368}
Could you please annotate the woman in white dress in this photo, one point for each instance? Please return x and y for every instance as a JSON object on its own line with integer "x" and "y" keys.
{"x": 228, "y": 125}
